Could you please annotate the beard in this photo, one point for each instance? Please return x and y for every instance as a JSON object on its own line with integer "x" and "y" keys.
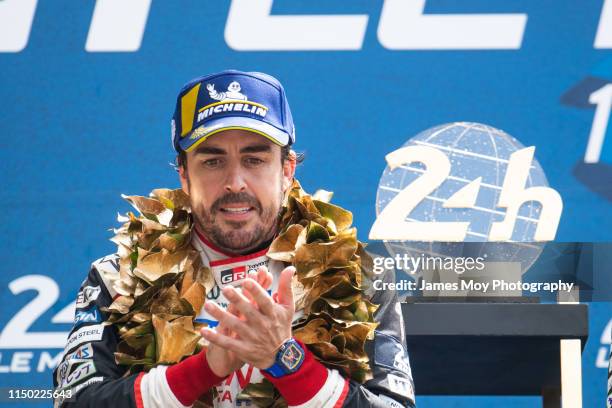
{"x": 232, "y": 235}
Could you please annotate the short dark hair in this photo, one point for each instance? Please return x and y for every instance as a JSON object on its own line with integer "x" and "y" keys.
{"x": 286, "y": 153}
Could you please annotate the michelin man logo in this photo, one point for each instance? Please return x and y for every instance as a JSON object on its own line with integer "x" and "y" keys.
{"x": 232, "y": 93}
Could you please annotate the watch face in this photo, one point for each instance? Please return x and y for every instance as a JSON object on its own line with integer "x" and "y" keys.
{"x": 292, "y": 356}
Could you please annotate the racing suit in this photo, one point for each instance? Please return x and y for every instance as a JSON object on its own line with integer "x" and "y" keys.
{"x": 88, "y": 365}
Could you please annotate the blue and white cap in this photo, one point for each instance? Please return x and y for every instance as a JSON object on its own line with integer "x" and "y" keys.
{"x": 231, "y": 99}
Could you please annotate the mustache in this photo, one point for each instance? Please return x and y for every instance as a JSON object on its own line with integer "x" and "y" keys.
{"x": 233, "y": 198}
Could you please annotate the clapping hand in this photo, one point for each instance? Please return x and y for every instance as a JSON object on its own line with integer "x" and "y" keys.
{"x": 222, "y": 361}
{"x": 256, "y": 325}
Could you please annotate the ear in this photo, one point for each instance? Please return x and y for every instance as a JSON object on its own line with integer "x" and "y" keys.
{"x": 289, "y": 170}
{"x": 184, "y": 178}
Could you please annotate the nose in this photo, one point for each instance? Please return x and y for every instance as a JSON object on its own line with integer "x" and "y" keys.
{"x": 235, "y": 181}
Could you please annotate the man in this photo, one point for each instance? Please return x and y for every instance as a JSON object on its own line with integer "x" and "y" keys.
{"x": 233, "y": 133}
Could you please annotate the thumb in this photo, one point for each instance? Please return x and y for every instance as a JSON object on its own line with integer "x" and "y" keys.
{"x": 285, "y": 291}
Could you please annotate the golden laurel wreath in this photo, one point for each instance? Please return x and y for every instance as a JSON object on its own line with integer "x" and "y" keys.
{"x": 162, "y": 285}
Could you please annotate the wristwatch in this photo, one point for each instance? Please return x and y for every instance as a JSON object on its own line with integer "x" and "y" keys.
{"x": 289, "y": 359}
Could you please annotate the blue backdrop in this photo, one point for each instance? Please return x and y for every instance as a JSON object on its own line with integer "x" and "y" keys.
{"x": 86, "y": 117}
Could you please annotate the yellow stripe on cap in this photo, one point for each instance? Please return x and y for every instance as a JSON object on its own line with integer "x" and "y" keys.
{"x": 203, "y": 138}
{"x": 188, "y": 107}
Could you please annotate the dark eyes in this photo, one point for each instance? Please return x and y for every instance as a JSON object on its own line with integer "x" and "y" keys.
{"x": 211, "y": 162}
{"x": 217, "y": 162}
{"x": 253, "y": 161}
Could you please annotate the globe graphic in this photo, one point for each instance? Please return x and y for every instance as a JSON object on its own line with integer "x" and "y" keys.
{"x": 474, "y": 150}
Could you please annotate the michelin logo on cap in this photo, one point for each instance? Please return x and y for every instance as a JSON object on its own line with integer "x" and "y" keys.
{"x": 231, "y": 96}
{"x": 233, "y": 92}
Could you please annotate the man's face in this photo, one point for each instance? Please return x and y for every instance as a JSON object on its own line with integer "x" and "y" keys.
{"x": 236, "y": 181}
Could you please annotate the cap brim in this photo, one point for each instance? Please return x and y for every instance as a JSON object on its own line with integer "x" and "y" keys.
{"x": 203, "y": 132}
